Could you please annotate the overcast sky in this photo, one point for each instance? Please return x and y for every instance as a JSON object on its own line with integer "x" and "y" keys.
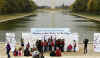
{"x": 57, "y": 2}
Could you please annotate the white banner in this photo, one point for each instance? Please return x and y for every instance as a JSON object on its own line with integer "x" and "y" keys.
{"x": 46, "y": 33}
{"x": 96, "y": 42}
{"x": 28, "y": 38}
{"x": 69, "y": 39}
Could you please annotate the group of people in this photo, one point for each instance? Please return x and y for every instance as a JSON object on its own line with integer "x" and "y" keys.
{"x": 49, "y": 45}
{"x": 21, "y": 51}
{"x": 55, "y": 46}
{"x": 24, "y": 52}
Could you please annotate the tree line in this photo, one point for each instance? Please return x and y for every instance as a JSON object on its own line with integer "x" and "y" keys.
{"x": 86, "y": 6}
{"x": 16, "y": 6}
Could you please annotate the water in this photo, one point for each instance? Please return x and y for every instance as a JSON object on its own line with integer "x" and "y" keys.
{"x": 51, "y": 19}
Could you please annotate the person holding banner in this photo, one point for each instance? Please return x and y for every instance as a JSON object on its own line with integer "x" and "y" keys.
{"x": 62, "y": 44}
{"x": 42, "y": 46}
{"x": 38, "y": 45}
{"x": 28, "y": 45}
{"x": 53, "y": 45}
{"x": 45, "y": 45}
{"x": 49, "y": 44}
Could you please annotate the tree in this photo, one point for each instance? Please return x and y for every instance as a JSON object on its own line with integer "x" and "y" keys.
{"x": 2, "y": 4}
{"x": 96, "y": 6}
{"x": 92, "y": 6}
{"x": 80, "y": 5}
{"x": 15, "y": 6}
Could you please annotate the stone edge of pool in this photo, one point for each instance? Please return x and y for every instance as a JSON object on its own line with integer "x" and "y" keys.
{"x": 87, "y": 17}
{"x": 17, "y": 17}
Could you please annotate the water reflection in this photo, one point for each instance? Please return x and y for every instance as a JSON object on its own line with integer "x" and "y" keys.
{"x": 47, "y": 19}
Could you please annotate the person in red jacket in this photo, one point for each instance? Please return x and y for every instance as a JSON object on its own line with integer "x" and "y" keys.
{"x": 52, "y": 45}
{"x": 58, "y": 52}
{"x": 45, "y": 45}
{"x": 69, "y": 48}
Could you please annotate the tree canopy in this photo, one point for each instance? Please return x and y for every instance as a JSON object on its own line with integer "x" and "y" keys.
{"x": 13, "y": 6}
{"x": 79, "y": 5}
{"x": 86, "y": 5}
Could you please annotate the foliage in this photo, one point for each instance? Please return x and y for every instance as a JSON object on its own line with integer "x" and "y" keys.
{"x": 13, "y": 6}
{"x": 80, "y": 5}
{"x": 86, "y": 5}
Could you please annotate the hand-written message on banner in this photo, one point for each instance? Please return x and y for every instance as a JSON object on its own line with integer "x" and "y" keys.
{"x": 47, "y": 33}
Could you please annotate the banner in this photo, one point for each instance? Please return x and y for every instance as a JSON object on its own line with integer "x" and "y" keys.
{"x": 70, "y": 38}
{"x": 47, "y": 33}
{"x": 96, "y": 42}
{"x": 28, "y": 38}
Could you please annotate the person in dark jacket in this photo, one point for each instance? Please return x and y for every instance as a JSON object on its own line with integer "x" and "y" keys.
{"x": 22, "y": 42}
{"x": 74, "y": 45}
{"x": 37, "y": 45}
{"x": 85, "y": 42}
{"x": 52, "y": 53}
{"x": 28, "y": 45}
{"x": 49, "y": 44}
{"x": 26, "y": 52}
{"x": 62, "y": 45}
{"x": 8, "y": 48}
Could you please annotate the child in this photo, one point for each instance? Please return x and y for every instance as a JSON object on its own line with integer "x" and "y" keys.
{"x": 58, "y": 52}
{"x": 15, "y": 53}
{"x": 69, "y": 48}
{"x": 20, "y": 52}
